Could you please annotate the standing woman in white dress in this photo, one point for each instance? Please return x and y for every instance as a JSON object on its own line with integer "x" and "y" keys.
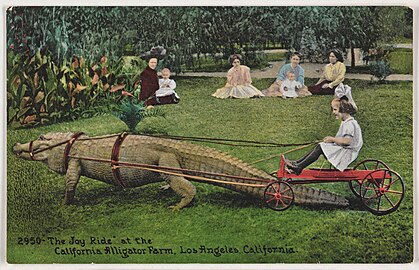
{"x": 340, "y": 150}
{"x": 239, "y": 83}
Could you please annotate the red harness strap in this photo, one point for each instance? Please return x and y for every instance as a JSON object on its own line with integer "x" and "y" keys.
{"x": 68, "y": 147}
{"x": 115, "y": 159}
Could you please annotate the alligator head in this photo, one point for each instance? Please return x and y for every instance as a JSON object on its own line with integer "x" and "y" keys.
{"x": 48, "y": 148}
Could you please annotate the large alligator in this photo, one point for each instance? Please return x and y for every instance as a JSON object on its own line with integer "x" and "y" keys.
{"x": 135, "y": 160}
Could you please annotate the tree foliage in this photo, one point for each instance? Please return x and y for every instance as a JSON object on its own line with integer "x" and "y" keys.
{"x": 186, "y": 32}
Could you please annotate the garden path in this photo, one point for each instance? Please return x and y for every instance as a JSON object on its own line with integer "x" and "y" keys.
{"x": 311, "y": 70}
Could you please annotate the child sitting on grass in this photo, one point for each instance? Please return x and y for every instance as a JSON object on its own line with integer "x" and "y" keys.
{"x": 166, "y": 93}
{"x": 290, "y": 86}
{"x": 340, "y": 150}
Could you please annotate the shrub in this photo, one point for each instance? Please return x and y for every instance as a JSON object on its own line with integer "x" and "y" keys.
{"x": 380, "y": 70}
{"x": 378, "y": 54}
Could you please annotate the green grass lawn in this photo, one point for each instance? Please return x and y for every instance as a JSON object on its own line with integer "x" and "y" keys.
{"x": 401, "y": 61}
{"x": 225, "y": 221}
{"x": 277, "y": 56}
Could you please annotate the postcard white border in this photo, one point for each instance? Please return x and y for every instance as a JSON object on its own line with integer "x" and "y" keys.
{"x": 3, "y": 265}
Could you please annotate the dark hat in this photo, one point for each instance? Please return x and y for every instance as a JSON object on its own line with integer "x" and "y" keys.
{"x": 155, "y": 52}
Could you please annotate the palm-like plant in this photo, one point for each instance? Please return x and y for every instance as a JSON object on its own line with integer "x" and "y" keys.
{"x": 132, "y": 111}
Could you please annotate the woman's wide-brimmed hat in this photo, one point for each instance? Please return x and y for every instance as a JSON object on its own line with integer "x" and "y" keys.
{"x": 155, "y": 52}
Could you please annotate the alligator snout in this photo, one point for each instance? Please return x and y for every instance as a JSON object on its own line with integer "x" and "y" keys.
{"x": 17, "y": 149}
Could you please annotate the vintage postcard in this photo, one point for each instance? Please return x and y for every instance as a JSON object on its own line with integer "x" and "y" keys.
{"x": 170, "y": 136}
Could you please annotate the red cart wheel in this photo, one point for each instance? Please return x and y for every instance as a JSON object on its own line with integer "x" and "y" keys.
{"x": 279, "y": 195}
{"x": 368, "y": 164}
{"x": 382, "y": 191}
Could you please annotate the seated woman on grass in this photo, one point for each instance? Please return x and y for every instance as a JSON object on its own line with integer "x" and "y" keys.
{"x": 239, "y": 83}
{"x": 333, "y": 75}
{"x": 294, "y": 66}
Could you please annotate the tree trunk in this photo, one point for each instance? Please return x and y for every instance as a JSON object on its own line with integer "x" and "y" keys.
{"x": 352, "y": 57}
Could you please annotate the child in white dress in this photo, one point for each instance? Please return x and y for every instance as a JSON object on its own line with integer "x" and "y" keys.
{"x": 167, "y": 88}
{"x": 340, "y": 150}
{"x": 290, "y": 86}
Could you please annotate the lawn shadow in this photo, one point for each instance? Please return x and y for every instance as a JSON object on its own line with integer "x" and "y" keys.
{"x": 231, "y": 199}
{"x": 152, "y": 195}
{"x": 238, "y": 200}
{"x": 111, "y": 195}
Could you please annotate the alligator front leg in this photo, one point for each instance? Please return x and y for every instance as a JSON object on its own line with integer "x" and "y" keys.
{"x": 72, "y": 178}
{"x": 179, "y": 184}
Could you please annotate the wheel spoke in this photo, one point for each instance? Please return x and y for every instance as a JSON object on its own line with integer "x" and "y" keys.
{"x": 388, "y": 199}
{"x": 360, "y": 189}
{"x": 270, "y": 200}
{"x": 285, "y": 190}
{"x": 378, "y": 203}
{"x": 394, "y": 192}
{"x": 282, "y": 202}
{"x": 273, "y": 187}
{"x": 368, "y": 188}
{"x": 357, "y": 185}
{"x": 365, "y": 189}
{"x": 373, "y": 197}
{"x": 391, "y": 183}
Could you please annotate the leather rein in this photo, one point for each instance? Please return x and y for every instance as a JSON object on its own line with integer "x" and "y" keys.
{"x": 67, "y": 149}
{"x": 116, "y": 164}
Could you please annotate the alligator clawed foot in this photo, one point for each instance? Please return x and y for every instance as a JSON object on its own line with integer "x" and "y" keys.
{"x": 175, "y": 207}
{"x": 68, "y": 198}
{"x": 165, "y": 187}
{"x": 183, "y": 203}
{"x": 66, "y": 202}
